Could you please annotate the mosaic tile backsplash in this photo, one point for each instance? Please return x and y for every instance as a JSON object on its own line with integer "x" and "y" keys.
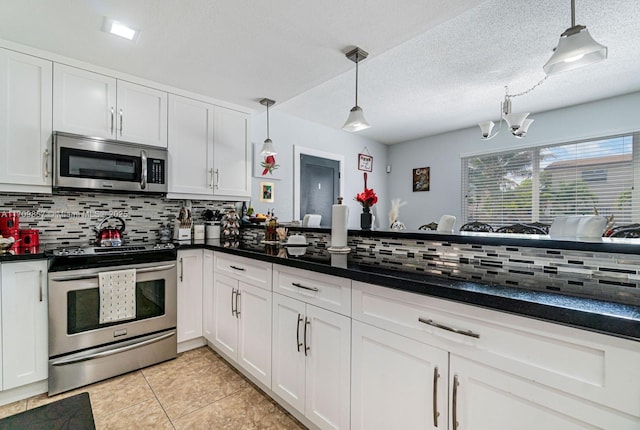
{"x": 596, "y": 275}
{"x": 69, "y": 218}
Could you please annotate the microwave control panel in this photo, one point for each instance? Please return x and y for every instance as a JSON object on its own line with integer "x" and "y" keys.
{"x": 155, "y": 171}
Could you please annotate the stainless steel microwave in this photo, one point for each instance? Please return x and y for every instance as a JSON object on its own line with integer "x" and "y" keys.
{"x": 94, "y": 164}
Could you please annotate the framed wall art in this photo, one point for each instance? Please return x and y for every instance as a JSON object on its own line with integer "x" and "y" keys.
{"x": 365, "y": 162}
{"x": 266, "y": 192}
{"x": 421, "y": 179}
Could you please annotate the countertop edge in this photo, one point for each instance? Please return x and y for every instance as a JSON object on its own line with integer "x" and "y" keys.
{"x": 600, "y": 323}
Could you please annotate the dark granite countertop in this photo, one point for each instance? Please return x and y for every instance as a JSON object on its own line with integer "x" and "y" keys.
{"x": 595, "y": 315}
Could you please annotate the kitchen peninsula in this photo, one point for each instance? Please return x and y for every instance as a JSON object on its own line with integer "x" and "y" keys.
{"x": 382, "y": 310}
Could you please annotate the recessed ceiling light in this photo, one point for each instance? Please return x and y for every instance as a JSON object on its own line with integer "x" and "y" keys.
{"x": 119, "y": 29}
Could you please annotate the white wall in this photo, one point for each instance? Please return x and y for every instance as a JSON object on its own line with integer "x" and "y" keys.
{"x": 287, "y": 131}
{"x": 443, "y": 152}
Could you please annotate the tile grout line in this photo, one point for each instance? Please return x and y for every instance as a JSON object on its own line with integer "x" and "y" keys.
{"x": 157, "y": 399}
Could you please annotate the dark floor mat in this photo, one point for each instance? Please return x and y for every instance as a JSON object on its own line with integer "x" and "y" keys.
{"x": 70, "y": 413}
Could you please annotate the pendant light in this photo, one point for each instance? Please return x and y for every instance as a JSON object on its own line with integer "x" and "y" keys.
{"x": 356, "y": 121}
{"x": 267, "y": 146}
{"x": 576, "y": 48}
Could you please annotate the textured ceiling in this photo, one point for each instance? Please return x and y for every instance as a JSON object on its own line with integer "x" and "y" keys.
{"x": 434, "y": 65}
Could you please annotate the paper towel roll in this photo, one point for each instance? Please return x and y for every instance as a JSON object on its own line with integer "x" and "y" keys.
{"x": 339, "y": 219}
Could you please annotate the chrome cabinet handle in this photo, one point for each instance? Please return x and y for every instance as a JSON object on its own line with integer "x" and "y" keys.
{"x": 143, "y": 171}
{"x": 436, "y": 414}
{"x": 41, "y": 285}
{"x": 454, "y": 416}
{"x": 237, "y": 308}
{"x": 46, "y": 163}
{"x": 295, "y": 284}
{"x": 298, "y": 332}
{"x": 233, "y": 311}
{"x": 121, "y": 122}
{"x": 112, "y": 117}
{"x": 217, "y": 179}
{"x": 211, "y": 173}
{"x": 181, "y": 269}
{"x": 447, "y": 328}
{"x": 237, "y": 268}
{"x": 306, "y": 324}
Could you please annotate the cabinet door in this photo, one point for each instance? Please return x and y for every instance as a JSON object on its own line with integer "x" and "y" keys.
{"x": 484, "y": 398}
{"x": 225, "y": 321}
{"x": 190, "y": 146}
{"x": 189, "y": 294}
{"x": 84, "y": 102}
{"x": 231, "y": 153}
{"x": 328, "y": 380}
{"x": 288, "y": 366}
{"x": 254, "y": 341}
{"x": 25, "y": 120}
{"x": 396, "y": 382}
{"x": 24, "y": 323}
{"x": 207, "y": 295}
{"x": 142, "y": 114}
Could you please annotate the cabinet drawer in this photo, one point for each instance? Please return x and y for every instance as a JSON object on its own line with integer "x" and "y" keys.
{"x": 254, "y": 272}
{"x": 325, "y": 291}
{"x": 586, "y": 364}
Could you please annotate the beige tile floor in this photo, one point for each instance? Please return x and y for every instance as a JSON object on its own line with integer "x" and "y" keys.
{"x": 197, "y": 390}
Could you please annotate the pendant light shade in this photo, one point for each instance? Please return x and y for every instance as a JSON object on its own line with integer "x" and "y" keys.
{"x": 267, "y": 146}
{"x": 355, "y": 120}
{"x": 576, "y": 48}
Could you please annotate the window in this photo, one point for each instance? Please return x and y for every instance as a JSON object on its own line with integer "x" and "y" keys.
{"x": 538, "y": 184}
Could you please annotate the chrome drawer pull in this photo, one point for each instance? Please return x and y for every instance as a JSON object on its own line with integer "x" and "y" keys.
{"x": 298, "y": 332}
{"x": 237, "y": 311}
{"x": 238, "y": 268}
{"x": 454, "y": 417}
{"x": 295, "y": 284}
{"x": 233, "y": 302}
{"x": 306, "y": 348}
{"x": 451, "y": 329}
{"x": 436, "y": 414}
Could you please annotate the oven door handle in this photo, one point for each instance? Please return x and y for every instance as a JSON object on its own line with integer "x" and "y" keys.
{"x": 73, "y": 360}
{"x": 141, "y": 270}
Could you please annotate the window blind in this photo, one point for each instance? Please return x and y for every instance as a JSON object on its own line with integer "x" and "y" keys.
{"x": 541, "y": 183}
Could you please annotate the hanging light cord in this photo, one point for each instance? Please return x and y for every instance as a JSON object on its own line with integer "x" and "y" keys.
{"x": 510, "y": 96}
{"x": 573, "y": 13}
{"x": 267, "y": 121}
{"x": 357, "y": 61}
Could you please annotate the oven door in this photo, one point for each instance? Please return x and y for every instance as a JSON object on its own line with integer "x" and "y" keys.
{"x": 74, "y": 307}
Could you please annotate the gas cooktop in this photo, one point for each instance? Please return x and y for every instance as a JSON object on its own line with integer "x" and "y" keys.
{"x": 85, "y": 251}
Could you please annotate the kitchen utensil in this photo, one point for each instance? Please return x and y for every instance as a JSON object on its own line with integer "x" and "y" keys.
{"x": 110, "y": 236}
{"x": 6, "y": 243}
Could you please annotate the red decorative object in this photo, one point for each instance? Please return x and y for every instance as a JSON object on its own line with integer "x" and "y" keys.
{"x": 269, "y": 165}
{"x": 368, "y": 197}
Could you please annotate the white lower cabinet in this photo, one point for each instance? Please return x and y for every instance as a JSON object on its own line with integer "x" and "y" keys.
{"x": 24, "y": 307}
{"x": 498, "y": 371}
{"x": 397, "y": 383}
{"x": 486, "y": 398}
{"x": 190, "y": 289}
{"x": 311, "y": 361}
{"x": 241, "y": 325}
{"x": 207, "y": 295}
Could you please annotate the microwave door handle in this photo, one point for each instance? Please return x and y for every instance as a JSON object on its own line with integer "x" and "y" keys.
{"x": 143, "y": 174}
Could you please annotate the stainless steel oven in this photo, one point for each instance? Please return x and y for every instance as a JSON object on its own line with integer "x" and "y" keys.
{"x": 82, "y": 350}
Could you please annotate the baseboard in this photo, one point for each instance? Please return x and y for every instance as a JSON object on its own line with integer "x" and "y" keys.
{"x": 191, "y": 344}
{"x": 23, "y": 392}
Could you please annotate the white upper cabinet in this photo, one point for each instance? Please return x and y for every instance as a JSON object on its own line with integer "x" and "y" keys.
{"x": 231, "y": 156}
{"x": 25, "y": 122}
{"x": 208, "y": 151}
{"x": 97, "y": 105}
{"x": 190, "y": 146}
